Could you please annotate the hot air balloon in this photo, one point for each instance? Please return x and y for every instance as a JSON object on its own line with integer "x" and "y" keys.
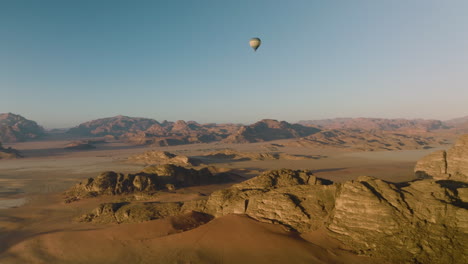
{"x": 255, "y": 43}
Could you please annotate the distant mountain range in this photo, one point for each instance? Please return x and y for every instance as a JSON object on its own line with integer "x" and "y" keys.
{"x": 415, "y": 125}
{"x": 367, "y": 140}
{"x": 334, "y": 132}
{"x": 114, "y": 126}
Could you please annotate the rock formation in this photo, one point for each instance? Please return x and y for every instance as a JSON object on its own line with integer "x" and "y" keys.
{"x": 446, "y": 165}
{"x": 163, "y": 157}
{"x": 125, "y": 212}
{"x": 232, "y": 155}
{"x": 149, "y": 180}
{"x": 144, "y": 131}
{"x": 15, "y": 128}
{"x": 268, "y": 129}
{"x": 8, "y": 153}
{"x": 423, "y": 221}
{"x": 180, "y": 132}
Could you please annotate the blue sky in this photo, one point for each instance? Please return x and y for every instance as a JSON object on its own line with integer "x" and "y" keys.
{"x": 64, "y": 62}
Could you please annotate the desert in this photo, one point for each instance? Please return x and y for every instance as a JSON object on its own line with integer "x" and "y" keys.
{"x": 271, "y": 199}
{"x": 227, "y": 132}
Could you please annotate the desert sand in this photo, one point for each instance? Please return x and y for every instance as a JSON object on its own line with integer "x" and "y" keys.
{"x": 37, "y": 227}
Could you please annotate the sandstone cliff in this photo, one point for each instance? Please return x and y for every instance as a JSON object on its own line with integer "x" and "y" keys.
{"x": 446, "y": 165}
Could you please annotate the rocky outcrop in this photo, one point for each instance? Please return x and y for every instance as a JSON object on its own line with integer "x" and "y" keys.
{"x": 291, "y": 198}
{"x": 183, "y": 177}
{"x": 9, "y": 153}
{"x": 432, "y": 166}
{"x": 149, "y": 180}
{"x": 443, "y": 165}
{"x": 233, "y": 155}
{"x": 366, "y": 140}
{"x": 125, "y": 212}
{"x": 15, "y": 128}
{"x": 163, "y": 157}
{"x": 423, "y": 221}
{"x": 269, "y": 129}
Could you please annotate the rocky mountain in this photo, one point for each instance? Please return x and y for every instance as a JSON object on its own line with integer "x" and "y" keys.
{"x": 423, "y": 221}
{"x": 114, "y": 126}
{"x": 181, "y": 132}
{"x": 339, "y": 132}
{"x": 269, "y": 129}
{"x": 367, "y": 140}
{"x": 15, "y": 128}
{"x": 8, "y": 153}
{"x": 144, "y": 131}
{"x": 400, "y": 125}
{"x": 446, "y": 165}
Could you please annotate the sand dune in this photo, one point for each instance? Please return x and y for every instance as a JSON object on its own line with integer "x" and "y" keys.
{"x": 230, "y": 239}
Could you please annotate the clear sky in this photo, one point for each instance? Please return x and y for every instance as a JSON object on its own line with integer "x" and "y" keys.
{"x": 64, "y": 62}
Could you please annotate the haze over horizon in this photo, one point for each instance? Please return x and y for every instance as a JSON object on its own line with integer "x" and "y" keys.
{"x": 63, "y": 62}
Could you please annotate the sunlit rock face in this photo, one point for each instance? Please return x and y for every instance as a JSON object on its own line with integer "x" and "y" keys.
{"x": 444, "y": 165}
{"x": 423, "y": 222}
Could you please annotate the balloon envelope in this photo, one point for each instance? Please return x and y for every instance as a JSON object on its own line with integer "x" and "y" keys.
{"x": 255, "y": 43}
